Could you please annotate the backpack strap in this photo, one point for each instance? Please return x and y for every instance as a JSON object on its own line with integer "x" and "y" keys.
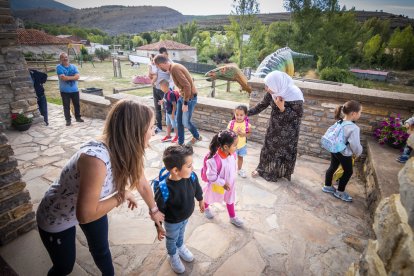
{"x": 217, "y": 158}
{"x": 246, "y": 121}
{"x": 232, "y": 124}
{"x": 345, "y": 123}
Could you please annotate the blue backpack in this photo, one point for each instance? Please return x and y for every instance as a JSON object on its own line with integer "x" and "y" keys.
{"x": 161, "y": 182}
{"x": 334, "y": 138}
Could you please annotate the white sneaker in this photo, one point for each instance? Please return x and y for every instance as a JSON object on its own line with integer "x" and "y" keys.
{"x": 185, "y": 254}
{"x": 242, "y": 173}
{"x": 208, "y": 213}
{"x": 176, "y": 263}
{"x": 236, "y": 221}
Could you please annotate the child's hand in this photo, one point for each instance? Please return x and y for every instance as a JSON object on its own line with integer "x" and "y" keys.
{"x": 160, "y": 102}
{"x": 226, "y": 187}
{"x": 132, "y": 202}
{"x": 160, "y": 232}
{"x": 201, "y": 205}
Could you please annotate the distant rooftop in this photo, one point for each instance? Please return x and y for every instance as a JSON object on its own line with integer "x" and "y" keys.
{"x": 371, "y": 72}
{"x": 169, "y": 44}
{"x": 36, "y": 37}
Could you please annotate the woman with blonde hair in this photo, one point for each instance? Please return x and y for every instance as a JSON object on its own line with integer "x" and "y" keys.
{"x": 92, "y": 183}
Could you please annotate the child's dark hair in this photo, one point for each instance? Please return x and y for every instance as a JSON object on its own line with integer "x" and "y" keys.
{"x": 241, "y": 107}
{"x": 223, "y": 138}
{"x": 162, "y": 50}
{"x": 174, "y": 156}
{"x": 347, "y": 108}
{"x": 164, "y": 82}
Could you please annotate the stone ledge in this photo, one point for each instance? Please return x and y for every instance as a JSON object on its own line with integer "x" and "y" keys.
{"x": 381, "y": 173}
{"x": 346, "y": 92}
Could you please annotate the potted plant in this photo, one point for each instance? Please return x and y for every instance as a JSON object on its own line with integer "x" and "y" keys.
{"x": 392, "y": 132}
{"x": 21, "y": 122}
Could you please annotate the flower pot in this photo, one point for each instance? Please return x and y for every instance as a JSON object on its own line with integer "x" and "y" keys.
{"x": 23, "y": 127}
{"x": 391, "y": 144}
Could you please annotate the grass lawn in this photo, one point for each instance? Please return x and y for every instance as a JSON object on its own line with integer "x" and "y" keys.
{"x": 102, "y": 76}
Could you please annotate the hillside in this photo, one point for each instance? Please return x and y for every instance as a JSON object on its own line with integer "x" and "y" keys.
{"x": 111, "y": 19}
{"x": 131, "y": 20}
{"x": 34, "y": 4}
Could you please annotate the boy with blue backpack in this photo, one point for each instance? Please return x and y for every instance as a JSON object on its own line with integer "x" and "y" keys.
{"x": 175, "y": 190}
{"x": 170, "y": 101}
{"x": 342, "y": 140}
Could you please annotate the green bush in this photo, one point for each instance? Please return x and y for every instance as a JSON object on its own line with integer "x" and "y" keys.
{"x": 337, "y": 75}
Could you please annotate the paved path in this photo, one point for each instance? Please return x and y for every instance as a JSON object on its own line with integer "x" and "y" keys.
{"x": 291, "y": 228}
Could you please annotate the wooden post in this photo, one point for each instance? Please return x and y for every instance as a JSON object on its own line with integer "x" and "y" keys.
{"x": 119, "y": 68}
{"x": 213, "y": 88}
{"x": 114, "y": 67}
{"x": 228, "y": 86}
{"x": 114, "y": 91}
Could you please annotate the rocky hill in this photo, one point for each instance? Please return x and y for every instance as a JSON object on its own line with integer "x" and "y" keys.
{"x": 111, "y": 19}
{"x": 35, "y": 4}
{"x": 131, "y": 20}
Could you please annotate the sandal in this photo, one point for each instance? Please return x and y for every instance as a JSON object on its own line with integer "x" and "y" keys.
{"x": 255, "y": 174}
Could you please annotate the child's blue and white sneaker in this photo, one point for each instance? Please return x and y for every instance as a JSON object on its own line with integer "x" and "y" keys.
{"x": 208, "y": 213}
{"x": 328, "y": 189}
{"x": 343, "y": 196}
{"x": 236, "y": 221}
{"x": 185, "y": 254}
{"x": 176, "y": 263}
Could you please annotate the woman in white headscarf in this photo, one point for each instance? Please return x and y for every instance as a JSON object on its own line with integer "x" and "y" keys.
{"x": 278, "y": 155}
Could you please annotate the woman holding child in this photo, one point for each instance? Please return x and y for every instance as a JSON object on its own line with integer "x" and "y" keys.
{"x": 278, "y": 155}
{"x": 92, "y": 183}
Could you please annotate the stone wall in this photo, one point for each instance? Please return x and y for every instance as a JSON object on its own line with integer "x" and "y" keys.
{"x": 320, "y": 103}
{"x": 17, "y": 93}
{"x": 16, "y": 214}
{"x": 392, "y": 253}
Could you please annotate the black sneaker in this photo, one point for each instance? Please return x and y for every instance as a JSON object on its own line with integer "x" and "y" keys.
{"x": 68, "y": 123}
{"x": 79, "y": 120}
{"x": 157, "y": 130}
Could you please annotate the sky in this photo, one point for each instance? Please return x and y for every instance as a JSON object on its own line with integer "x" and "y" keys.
{"x": 210, "y": 7}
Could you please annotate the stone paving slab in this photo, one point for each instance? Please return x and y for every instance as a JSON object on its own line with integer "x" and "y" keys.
{"x": 291, "y": 228}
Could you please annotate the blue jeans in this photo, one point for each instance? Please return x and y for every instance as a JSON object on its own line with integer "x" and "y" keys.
{"x": 184, "y": 119}
{"x": 174, "y": 234}
{"x": 62, "y": 251}
{"x": 169, "y": 121}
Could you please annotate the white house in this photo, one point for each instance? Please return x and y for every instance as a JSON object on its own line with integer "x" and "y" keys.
{"x": 94, "y": 46}
{"x": 177, "y": 51}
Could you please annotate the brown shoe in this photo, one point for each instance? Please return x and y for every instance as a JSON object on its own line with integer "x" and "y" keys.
{"x": 194, "y": 140}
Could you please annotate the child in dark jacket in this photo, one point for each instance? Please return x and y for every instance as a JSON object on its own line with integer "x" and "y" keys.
{"x": 183, "y": 187}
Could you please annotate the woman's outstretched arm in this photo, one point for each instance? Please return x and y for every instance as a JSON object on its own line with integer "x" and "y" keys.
{"x": 260, "y": 106}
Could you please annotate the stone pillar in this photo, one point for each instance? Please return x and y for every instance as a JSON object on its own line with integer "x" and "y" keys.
{"x": 16, "y": 214}
{"x": 16, "y": 88}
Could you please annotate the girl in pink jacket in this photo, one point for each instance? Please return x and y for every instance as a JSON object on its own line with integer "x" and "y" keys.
{"x": 221, "y": 172}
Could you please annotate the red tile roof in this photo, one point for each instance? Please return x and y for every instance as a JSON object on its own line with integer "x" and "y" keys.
{"x": 371, "y": 72}
{"x": 169, "y": 44}
{"x": 36, "y": 37}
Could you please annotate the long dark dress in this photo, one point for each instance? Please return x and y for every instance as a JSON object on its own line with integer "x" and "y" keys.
{"x": 278, "y": 155}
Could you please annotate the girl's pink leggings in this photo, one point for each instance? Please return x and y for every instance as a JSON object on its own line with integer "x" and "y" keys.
{"x": 230, "y": 209}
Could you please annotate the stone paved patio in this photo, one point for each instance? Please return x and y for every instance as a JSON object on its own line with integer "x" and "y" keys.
{"x": 291, "y": 228}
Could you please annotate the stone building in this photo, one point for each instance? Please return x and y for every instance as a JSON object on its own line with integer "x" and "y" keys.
{"x": 177, "y": 51}
{"x": 37, "y": 42}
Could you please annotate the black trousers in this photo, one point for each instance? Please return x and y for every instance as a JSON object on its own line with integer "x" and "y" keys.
{"x": 158, "y": 95}
{"x": 66, "y": 97}
{"x": 62, "y": 250}
{"x": 346, "y": 163}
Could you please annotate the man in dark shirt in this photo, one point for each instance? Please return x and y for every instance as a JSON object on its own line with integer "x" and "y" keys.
{"x": 183, "y": 186}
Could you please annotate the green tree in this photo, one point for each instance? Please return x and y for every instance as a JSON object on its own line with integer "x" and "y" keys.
{"x": 147, "y": 37}
{"x": 166, "y": 36}
{"x": 80, "y": 33}
{"x": 138, "y": 41}
{"x": 102, "y": 54}
{"x": 187, "y": 32}
{"x": 372, "y": 49}
{"x": 202, "y": 42}
{"x": 401, "y": 47}
{"x": 244, "y": 11}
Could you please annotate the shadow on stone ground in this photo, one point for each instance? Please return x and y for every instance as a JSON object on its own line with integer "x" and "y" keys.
{"x": 291, "y": 228}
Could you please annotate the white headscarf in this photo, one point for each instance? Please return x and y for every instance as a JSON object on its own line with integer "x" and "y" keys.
{"x": 281, "y": 84}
